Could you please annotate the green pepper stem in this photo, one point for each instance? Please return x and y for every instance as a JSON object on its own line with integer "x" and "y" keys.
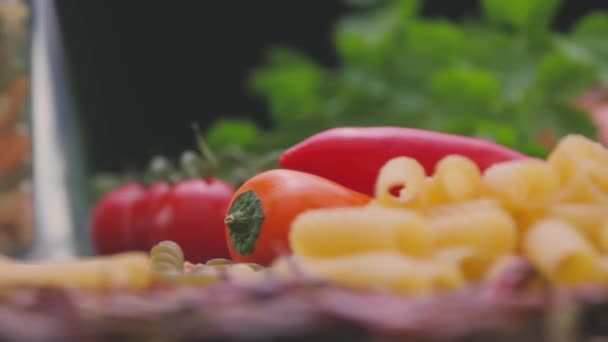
{"x": 237, "y": 222}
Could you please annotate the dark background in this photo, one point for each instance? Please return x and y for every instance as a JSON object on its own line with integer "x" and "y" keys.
{"x": 144, "y": 70}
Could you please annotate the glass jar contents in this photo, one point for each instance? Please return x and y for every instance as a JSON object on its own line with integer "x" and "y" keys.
{"x": 16, "y": 216}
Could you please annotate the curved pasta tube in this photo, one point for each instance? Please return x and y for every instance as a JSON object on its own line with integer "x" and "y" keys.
{"x": 459, "y": 178}
{"x": 471, "y": 264}
{"x": 432, "y": 195}
{"x": 581, "y": 165}
{"x": 604, "y": 269}
{"x": 401, "y": 171}
{"x": 526, "y": 218}
{"x": 522, "y": 184}
{"x": 128, "y": 270}
{"x": 444, "y": 275}
{"x": 341, "y": 231}
{"x": 380, "y": 270}
{"x": 602, "y": 237}
{"x": 580, "y": 187}
{"x": 586, "y": 217}
{"x": 480, "y": 224}
{"x": 561, "y": 253}
{"x": 571, "y": 150}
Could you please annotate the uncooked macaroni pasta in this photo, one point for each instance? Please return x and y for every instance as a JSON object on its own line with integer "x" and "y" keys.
{"x": 460, "y": 226}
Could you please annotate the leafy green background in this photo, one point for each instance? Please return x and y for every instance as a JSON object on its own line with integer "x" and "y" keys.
{"x": 504, "y": 76}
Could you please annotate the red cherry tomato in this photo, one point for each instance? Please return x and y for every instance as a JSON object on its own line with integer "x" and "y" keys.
{"x": 141, "y": 219}
{"x": 192, "y": 215}
{"x": 111, "y": 218}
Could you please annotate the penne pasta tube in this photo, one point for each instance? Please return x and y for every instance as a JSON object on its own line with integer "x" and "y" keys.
{"x": 571, "y": 151}
{"x": 586, "y": 217}
{"x": 561, "y": 253}
{"x": 580, "y": 189}
{"x": 604, "y": 269}
{"x": 130, "y": 270}
{"x": 342, "y": 231}
{"x": 401, "y": 172}
{"x": 522, "y": 184}
{"x": 380, "y": 270}
{"x": 458, "y": 177}
{"x": 602, "y": 237}
{"x": 479, "y": 224}
{"x": 471, "y": 264}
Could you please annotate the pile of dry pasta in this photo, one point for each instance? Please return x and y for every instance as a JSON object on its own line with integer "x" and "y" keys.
{"x": 460, "y": 225}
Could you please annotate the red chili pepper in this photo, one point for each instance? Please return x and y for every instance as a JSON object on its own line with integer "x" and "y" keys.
{"x": 353, "y": 156}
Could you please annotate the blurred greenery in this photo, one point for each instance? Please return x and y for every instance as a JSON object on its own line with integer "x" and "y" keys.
{"x": 504, "y": 76}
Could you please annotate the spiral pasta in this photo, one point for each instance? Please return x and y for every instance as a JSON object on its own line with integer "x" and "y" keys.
{"x": 167, "y": 258}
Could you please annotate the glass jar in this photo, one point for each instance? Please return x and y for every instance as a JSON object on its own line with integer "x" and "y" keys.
{"x": 16, "y": 215}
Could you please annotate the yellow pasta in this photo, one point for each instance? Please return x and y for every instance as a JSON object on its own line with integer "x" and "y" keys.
{"x": 444, "y": 275}
{"x": 479, "y": 224}
{"x": 581, "y": 165}
{"x": 604, "y": 269}
{"x": 581, "y": 188}
{"x": 602, "y": 237}
{"x": 500, "y": 265}
{"x": 561, "y": 253}
{"x": 361, "y": 272}
{"x": 522, "y": 184}
{"x": 525, "y": 218}
{"x": 461, "y": 226}
{"x": 433, "y": 194}
{"x": 587, "y": 217}
{"x": 129, "y": 270}
{"x": 571, "y": 151}
{"x": 458, "y": 178}
{"x": 400, "y": 172}
{"x": 341, "y": 231}
{"x": 471, "y": 264}
{"x": 380, "y": 270}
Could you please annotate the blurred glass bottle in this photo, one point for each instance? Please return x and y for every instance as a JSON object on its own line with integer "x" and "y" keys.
{"x": 41, "y": 192}
{"x": 60, "y": 201}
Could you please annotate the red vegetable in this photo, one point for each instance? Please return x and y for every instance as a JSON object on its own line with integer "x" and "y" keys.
{"x": 352, "y": 156}
{"x": 141, "y": 219}
{"x": 260, "y": 215}
{"x": 192, "y": 215}
{"x": 111, "y": 218}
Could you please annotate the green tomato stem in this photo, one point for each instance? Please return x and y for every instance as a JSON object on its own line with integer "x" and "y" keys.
{"x": 207, "y": 153}
{"x": 244, "y": 222}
